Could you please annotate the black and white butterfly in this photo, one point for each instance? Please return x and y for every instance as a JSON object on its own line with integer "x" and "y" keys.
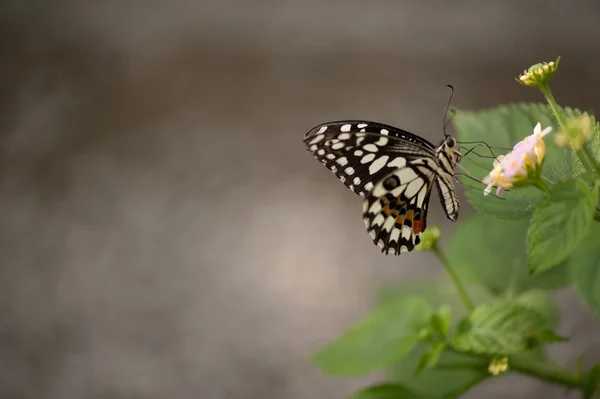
{"x": 394, "y": 171}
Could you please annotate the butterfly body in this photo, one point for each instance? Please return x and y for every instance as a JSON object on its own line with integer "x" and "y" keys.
{"x": 394, "y": 170}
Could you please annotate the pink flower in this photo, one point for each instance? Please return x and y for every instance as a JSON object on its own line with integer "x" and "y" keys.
{"x": 526, "y": 157}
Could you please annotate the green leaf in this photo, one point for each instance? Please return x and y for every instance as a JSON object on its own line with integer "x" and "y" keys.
{"x": 593, "y": 377}
{"x": 388, "y": 390}
{"x": 493, "y": 253}
{"x": 430, "y": 357}
{"x": 541, "y": 302}
{"x": 384, "y": 336}
{"x": 585, "y": 269}
{"x": 504, "y": 126}
{"x": 440, "y": 321}
{"x": 504, "y": 327}
{"x": 559, "y": 224}
{"x": 451, "y": 374}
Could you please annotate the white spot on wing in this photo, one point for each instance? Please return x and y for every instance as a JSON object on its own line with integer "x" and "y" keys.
{"x": 380, "y": 243}
{"x": 344, "y": 136}
{"x": 367, "y": 158}
{"x": 322, "y": 129}
{"x": 378, "y": 164}
{"x": 413, "y": 188}
{"x": 358, "y": 153}
{"x": 378, "y": 220}
{"x": 389, "y": 224}
{"x": 375, "y": 208}
{"x": 385, "y": 132}
{"x": 349, "y": 170}
{"x": 346, "y": 128}
{"x": 313, "y": 148}
{"x": 330, "y": 156}
{"x": 371, "y": 148}
{"x": 321, "y": 152}
{"x": 372, "y": 232}
{"x": 361, "y": 125}
{"x": 395, "y": 234}
{"x": 406, "y": 232}
{"x": 382, "y": 141}
{"x": 369, "y": 186}
{"x": 397, "y": 162}
{"x": 403, "y": 248}
{"x": 356, "y": 180}
{"x": 337, "y": 146}
{"x": 342, "y": 161}
{"x": 317, "y": 138}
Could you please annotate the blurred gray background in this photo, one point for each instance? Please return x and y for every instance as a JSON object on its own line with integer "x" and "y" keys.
{"x": 163, "y": 232}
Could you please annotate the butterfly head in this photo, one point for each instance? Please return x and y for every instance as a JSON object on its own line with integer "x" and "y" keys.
{"x": 451, "y": 150}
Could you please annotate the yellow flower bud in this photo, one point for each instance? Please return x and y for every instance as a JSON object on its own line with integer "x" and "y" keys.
{"x": 498, "y": 365}
{"x": 538, "y": 74}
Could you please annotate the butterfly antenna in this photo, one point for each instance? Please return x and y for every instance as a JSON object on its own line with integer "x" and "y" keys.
{"x": 487, "y": 168}
{"x": 447, "y": 109}
{"x": 486, "y": 145}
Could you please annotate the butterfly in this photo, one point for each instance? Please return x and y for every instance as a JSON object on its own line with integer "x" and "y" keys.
{"x": 394, "y": 171}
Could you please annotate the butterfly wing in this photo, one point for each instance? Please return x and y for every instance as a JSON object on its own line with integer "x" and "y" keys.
{"x": 361, "y": 153}
{"x": 447, "y": 195}
{"x": 395, "y": 211}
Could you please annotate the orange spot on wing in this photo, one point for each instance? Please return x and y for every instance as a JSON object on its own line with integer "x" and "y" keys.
{"x": 417, "y": 226}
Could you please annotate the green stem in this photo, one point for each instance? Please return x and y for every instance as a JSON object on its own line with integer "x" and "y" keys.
{"x": 545, "y": 89}
{"x": 539, "y": 183}
{"x": 547, "y": 373}
{"x": 540, "y": 370}
{"x": 462, "y": 292}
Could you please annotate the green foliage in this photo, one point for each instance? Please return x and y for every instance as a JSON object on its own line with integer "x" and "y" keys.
{"x": 451, "y": 375}
{"x": 388, "y": 390}
{"x": 541, "y": 302}
{"x": 430, "y": 357}
{"x": 585, "y": 269}
{"x": 386, "y": 335}
{"x": 440, "y": 321}
{"x": 559, "y": 223}
{"x": 509, "y": 257}
{"x": 504, "y": 126}
{"x": 493, "y": 254}
{"x": 503, "y": 327}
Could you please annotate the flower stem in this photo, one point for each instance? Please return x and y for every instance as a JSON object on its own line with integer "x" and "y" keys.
{"x": 539, "y": 183}
{"x": 462, "y": 292}
{"x": 545, "y": 89}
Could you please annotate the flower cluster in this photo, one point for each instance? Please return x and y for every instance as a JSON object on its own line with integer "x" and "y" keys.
{"x": 576, "y": 132}
{"x": 525, "y": 160}
{"x": 498, "y": 365}
{"x": 538, "y": 74}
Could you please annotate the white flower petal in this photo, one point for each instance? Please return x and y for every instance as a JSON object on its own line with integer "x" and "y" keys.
{"x": 545, "y": 131}
{"x": 537, "y": 129}
{"x": 488, "y": 189}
